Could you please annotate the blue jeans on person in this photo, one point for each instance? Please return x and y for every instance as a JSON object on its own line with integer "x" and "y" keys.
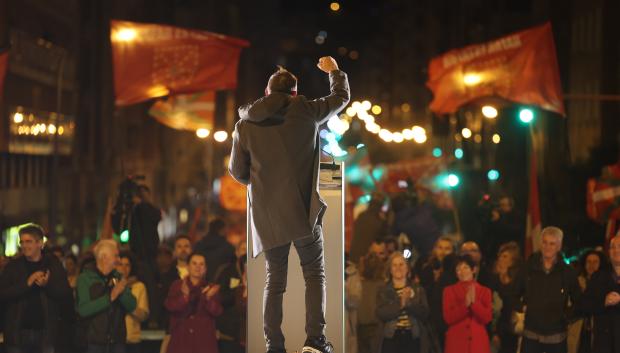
{"x": 102, "y": 348}
{"x": 31, "y": 341}
{"x": 310, "y": 251}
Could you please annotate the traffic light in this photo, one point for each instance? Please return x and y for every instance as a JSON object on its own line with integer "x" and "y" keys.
{"x": 450, "y": 180}
{"x": 458, "y": 153}
{"x": 526, "y": 115}
{"x": 124, "y": 236}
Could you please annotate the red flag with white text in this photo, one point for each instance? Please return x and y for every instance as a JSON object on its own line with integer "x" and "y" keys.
{"x": 521, "y": 67}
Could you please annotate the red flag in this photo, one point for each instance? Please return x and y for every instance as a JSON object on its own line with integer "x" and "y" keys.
{"x": 186, "y": 111}
{"x": 157, "y": 60}
{"x": 521, "y": 67}
{"x": 233, "y": 196}
{"x": 4, "y": 63}
{"x": 533, "y": 221}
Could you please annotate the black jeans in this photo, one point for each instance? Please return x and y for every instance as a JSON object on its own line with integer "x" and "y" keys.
{"x": 531, "y": 346}
{"x": 401, "y": 342}
{"x": 310, "y": 251}
{"x": 31, "y": 341}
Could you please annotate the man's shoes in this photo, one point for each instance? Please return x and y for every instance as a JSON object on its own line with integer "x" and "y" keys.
{"x": 317, "y": 345}
{"x": 276, "y": 351}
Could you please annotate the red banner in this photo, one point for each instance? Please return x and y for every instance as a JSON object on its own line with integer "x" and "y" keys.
{"x": 186, "y": 111}
{"x": 157, "y": 60}
{"x": 521, "y": 67}
{"x": 4, "y": 63}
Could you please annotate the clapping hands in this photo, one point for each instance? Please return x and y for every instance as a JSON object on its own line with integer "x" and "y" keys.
{"x": 470, "y": 297}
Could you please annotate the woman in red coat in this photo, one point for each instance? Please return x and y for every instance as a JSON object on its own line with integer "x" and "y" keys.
{"x": 193, "y": 305}
{"x": 467, "y": 310}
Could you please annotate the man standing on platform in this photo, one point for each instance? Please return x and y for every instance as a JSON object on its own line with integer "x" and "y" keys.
{"x": 276, "y": 154}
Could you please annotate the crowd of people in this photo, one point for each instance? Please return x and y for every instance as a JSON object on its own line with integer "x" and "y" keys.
{"x": 454, "y": 300}
{"x": 99, "y": 302}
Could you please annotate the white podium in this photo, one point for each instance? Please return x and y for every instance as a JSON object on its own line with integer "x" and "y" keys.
{"x": 293, "y": 322}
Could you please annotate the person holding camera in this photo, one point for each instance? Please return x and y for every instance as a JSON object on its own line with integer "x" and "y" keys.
{"x": 103, "y": 300}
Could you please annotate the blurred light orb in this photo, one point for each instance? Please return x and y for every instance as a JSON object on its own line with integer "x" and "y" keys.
{"x": 220, "y": 136}
{"x": 496, "y": 138}
{"x": 202, "y": 133}
{"x": 334, "y": 6}
{"x": 126, "y": 34}
{"x": 376, "y": 109}
{"x": 489, "y": 111}
{"x": 386, "y": 135}
{"x": 366, "y": 105}
{"x": 472, "y": 79}
{"x": 466, "y": 133}
{"x": 18, "y": 118}
{"x": 397, "y": 137}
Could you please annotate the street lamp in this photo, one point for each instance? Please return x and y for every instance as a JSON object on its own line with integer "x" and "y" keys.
{"x": 466, "y": 133}
{"x": 202, "y": 133}
{"x": 526, "y": 115}
{"x": 489, "y": 111}
{"x": 220, "y": 136}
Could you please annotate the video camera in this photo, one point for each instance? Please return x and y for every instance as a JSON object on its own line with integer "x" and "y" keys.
{"x": 127, "y": 190}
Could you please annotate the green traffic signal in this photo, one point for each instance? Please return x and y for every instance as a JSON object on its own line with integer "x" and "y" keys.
{"x": 526, "y": 115}
{"x": 124, "y": 236}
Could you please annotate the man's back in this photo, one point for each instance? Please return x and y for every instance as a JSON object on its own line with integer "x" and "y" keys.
{"x": 276, "y": 153}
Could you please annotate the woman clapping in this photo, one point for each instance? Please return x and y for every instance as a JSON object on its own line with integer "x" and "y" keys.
{"x": 467, "y": 310}
{"x": 193, "y": 305}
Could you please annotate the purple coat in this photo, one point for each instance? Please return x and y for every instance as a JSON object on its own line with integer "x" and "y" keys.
{"x": 192, "y": 320}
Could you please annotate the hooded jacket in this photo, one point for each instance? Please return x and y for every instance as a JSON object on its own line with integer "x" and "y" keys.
{"x": 275, "y": 153}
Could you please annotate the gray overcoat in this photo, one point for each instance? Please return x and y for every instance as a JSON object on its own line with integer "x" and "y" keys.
{"x": 275, "y": 153}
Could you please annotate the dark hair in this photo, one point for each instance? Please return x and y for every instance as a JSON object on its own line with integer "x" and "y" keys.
{"x": 132, "y": 260}
{"x": 390, "y": 240}
{"x": 164, "y": 249}
{"x": 465, "y": 259}
{"x": 72, "y": 257}
{"x": 604, "y": 263}
{"x": 282, "y": 81}
{"x": 57, "y": 248}
{"x": 189, "y": 258}
{"x": 182, "y": 236}
{"x": 216, "y": 225}
{"x": 32, "y": 229}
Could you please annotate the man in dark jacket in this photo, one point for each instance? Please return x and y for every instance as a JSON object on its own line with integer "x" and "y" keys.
{"x": 34, "y": 288}
{"x": 550, "y": 292}
{"x": 369, "y": 226}
{"x": 218, "y": 252}
{"x": 103, "y": 300}
{"x": 602, "y": 300}
{"x": 276, "y": 153}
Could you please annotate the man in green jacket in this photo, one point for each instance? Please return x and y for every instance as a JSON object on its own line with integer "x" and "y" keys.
{"x": 103, "y": 300}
